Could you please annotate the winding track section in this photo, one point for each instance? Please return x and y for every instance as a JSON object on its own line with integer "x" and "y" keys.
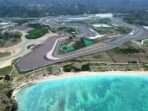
{"x": 44, "y": 55}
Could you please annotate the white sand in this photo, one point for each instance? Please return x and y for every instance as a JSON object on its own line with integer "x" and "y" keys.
{"x": 80, "y": 74}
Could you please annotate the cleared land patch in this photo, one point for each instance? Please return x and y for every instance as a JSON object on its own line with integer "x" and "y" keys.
{"x": 4, "y": 54}
{"x": 8, "y": 39}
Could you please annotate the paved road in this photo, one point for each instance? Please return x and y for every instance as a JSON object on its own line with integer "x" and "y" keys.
{"x": 44, "y": 54}
{"x": 37, "y": 58}
{"x": 139, "y": 34}
{"x": 21, "y": 48}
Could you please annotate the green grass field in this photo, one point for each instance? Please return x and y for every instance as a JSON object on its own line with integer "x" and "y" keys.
{"x": 69, "y": 47}
{"x": 37, "y": 33}
{"x": 6, "y": 70}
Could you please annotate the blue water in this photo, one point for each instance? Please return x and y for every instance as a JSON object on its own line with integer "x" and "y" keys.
{"x": 86, "y": 94}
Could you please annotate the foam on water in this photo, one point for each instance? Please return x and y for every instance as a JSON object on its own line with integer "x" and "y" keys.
{"x": 86, "y": 94}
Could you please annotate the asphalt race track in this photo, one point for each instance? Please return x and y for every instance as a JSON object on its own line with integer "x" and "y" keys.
{"x": 37, "y": 58}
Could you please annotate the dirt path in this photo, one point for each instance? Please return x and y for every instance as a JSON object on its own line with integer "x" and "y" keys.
{"x": 20, "y": 49}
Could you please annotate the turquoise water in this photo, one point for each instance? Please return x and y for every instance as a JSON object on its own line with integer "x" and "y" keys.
{"x": 86, "y": 94}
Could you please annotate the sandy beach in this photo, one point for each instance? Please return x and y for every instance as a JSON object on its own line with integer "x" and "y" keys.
{"x": 84, "y": 74}
{"x": 79, "y": 74}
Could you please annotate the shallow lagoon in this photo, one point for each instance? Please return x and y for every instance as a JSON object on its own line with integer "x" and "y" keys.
{"x": 86, "y": 94}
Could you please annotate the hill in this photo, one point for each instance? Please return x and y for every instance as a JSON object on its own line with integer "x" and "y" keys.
{"x": 55, "y": 7}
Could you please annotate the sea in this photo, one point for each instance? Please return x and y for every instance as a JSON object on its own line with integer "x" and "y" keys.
{"x": 93, "y": 93}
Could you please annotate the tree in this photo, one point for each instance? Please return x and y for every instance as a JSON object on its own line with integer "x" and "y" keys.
{"x": 85, "y": 67}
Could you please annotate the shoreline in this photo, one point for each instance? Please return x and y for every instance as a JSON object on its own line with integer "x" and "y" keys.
{"x": 78, "y": 74}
